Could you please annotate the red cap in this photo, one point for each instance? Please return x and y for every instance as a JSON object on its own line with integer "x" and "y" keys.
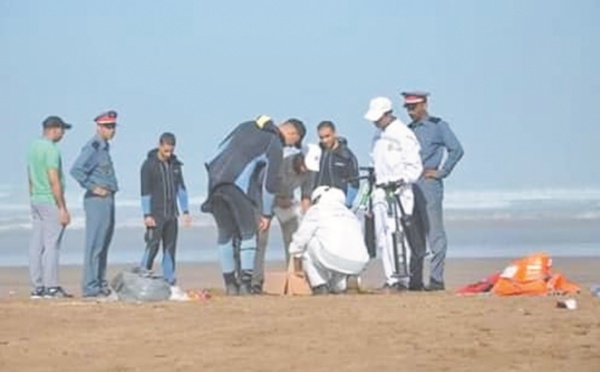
{"x": 109, "y": 117}
{"x": 414, "y": 97}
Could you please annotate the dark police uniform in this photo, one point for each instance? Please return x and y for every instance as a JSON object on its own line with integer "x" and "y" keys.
{"x": 94, "y": 168}
{"x": 437, "y": 142}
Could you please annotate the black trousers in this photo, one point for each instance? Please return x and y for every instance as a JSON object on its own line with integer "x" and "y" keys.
{"x": 234, "y": 213}
{"x": 236, "y": 218}
{"x": 166, "y": 231}
{"x": 418, "y": 246}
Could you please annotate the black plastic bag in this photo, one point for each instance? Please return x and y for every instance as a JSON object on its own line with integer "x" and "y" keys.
{"x": 140, "y": 285}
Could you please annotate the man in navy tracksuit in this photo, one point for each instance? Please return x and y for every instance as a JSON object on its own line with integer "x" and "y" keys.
{"x": 162, "y": 186}
{"x": 243, "y": 179}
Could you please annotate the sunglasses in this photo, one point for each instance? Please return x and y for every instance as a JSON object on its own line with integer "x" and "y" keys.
{"x": 109, "y": 126}
{"x": 411, "y": 106}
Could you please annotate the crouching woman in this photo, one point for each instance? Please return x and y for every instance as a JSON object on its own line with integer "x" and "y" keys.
{"x": 328, "y": 245}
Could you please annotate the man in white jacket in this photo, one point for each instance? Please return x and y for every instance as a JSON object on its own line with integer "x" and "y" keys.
{"x": 329, "y": 244}
{"x": 395, "y": 156}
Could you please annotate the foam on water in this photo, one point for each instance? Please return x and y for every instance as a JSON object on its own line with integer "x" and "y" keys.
{"x": 460, "y": 205}
{"x": 16, "y": 214}
{"x": 502, "y": 199}
{"x": 78, "y": 222}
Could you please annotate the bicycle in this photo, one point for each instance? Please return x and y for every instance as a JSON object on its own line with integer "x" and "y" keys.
{"x": 405, "y": 226}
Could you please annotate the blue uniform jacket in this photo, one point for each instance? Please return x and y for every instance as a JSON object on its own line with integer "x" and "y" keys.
{"x": 434, "y": 136}
{"x": 94, "y": 166}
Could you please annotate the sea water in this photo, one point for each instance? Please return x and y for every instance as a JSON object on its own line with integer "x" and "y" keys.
{"x": 487, "y": 223}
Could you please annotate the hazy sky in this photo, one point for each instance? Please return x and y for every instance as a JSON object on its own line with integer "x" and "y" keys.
{"x": 517, "y": 80}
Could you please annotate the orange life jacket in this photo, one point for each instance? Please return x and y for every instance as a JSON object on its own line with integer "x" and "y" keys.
{"x": 532, "y": 275}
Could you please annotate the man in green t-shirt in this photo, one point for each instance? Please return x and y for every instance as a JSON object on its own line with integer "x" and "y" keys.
{"x": 48, "y": 209}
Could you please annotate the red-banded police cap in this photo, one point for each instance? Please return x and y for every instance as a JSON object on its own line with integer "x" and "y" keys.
{"x": 108, "y": 117}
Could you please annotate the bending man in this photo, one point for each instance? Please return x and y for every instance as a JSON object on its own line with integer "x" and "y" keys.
{"x": 237, "y": 192}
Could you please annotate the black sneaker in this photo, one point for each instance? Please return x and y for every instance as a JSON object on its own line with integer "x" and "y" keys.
{"x": 391, "y": 288}
{"x": 57, "y": 292}
{"x": 416, "y": 287}
{"x": 245, "y": 285}
{"x": 320, "y": 290}
{"x": 231, "y": 289}
{"x": 38, "y": 292}
{"x": 435, "y": 286}
{"x": 231, "y": 285}
{"x": 245, "y": 289}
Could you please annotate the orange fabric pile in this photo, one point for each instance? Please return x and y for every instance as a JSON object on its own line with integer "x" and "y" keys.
{"x": 531, "y": 275}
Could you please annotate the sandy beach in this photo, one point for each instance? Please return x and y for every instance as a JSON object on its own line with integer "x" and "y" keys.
{"x": 355, "y": 332}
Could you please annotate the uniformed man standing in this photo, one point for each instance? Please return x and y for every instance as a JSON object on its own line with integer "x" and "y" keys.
{"x": 437, "y": 141}
{"x": 94, "y": 171}
{"x": 395, "y": 156}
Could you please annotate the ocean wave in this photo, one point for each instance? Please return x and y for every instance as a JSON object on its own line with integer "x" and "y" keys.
{"x": 126, "y": 220}
{"x": 75, "y": 204}
{"x": 78, "y": 222}
{"x": 503, "y": 199}
{"x": 591, "y": 215}
{"x": 460, "y": 205}
{"x": 454, "y": 200}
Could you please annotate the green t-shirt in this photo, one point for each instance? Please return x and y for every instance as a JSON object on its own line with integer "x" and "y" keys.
{"x": 43, "y": 155}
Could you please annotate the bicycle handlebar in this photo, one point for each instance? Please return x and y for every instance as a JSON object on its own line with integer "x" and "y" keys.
{"x": 391, "y": 186}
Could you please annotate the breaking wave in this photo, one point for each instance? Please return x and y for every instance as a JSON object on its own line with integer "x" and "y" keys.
{"x": 460, "y": 205}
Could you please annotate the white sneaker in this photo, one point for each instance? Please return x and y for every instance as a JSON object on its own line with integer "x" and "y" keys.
{"x": 353, "y": 283}
{"x": 177, "y": 294}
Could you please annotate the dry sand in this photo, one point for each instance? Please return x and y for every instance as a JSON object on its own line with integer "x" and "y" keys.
{"x": 406, "y": 332}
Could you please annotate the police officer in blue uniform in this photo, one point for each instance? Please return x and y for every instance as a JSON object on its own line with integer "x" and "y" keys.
{"x": 437, "y": 142}
{"x": 94, "y": 171}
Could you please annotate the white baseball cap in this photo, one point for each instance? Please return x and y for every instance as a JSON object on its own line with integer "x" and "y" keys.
{"x": 377, "y": 107}
{"x": 312, "y": 157}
